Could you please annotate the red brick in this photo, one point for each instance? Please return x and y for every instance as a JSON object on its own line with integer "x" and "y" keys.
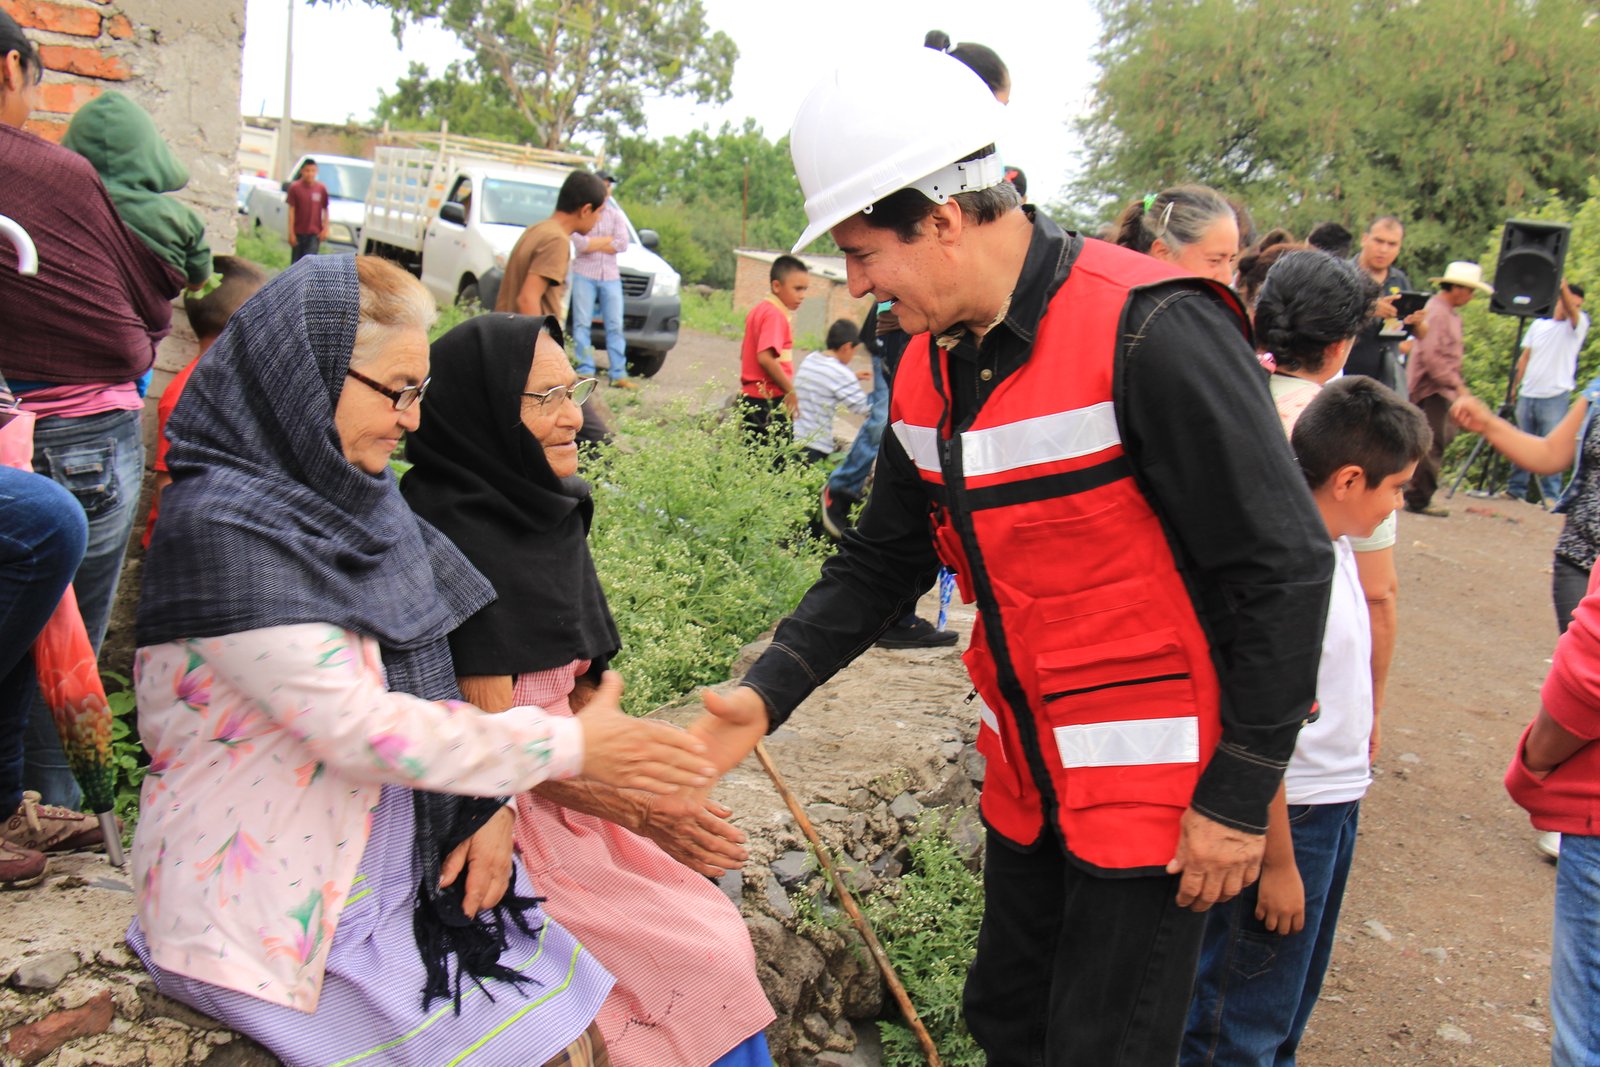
{"x": 66, "y": 97}
{"x": 49, "y": 129}
{"x": 36, "y": 1040}
{"x": 119, "y": 27}
{"x": 85, "y": 61}
{"x": 59, "y": 18}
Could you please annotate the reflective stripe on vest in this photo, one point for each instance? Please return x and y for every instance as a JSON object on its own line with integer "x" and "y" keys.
{"x": 1025, "y": 443}
{"x": 1129, "y": 743}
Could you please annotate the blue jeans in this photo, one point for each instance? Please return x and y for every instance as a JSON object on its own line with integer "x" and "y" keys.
{"x": 584, "y": 293}
{"x": 1538, "y": 416}
{"x": 100, "y": 460}
{"x": 1255, "y": 989}
{"x": 42, "y": 535}
{"x": 850, "y": 477}
{"x": 1575, "y": 955}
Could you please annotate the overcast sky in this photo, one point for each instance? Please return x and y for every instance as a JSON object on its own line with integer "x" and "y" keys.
{"x": 345, "y": 55}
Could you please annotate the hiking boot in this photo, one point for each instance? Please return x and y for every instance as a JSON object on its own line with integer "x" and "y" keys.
{"x": 20, "y": 867}
{"x": 918, "y": 633}
{"x": 47, "y": 828}
{"x": 836, "y": 512}
{"x": 624, "y": 383}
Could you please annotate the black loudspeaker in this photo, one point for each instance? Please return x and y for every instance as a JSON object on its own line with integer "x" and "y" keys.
{"x": 1527, "y": 279}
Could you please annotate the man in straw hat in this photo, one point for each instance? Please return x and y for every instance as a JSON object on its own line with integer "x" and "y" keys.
{"x": 1081, "y": 434}
{"x": 1433, "y": 374}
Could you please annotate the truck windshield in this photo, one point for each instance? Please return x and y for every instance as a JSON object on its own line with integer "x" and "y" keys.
{"x": 345, "y": 181}
{"x": 513, "y": 203}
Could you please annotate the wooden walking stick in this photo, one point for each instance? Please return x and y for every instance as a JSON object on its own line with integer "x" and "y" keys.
{"x": 929, "y": 1049}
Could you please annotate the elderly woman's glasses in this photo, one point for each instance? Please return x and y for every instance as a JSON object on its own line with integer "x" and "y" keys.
{"x": 405, "y": 398}
{"x": 578, "y": 392}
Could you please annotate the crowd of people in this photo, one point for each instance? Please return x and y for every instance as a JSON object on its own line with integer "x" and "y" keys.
{"x": 393, "y": 808}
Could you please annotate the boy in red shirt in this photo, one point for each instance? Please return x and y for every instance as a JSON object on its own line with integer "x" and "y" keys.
{"x": 207, "y": 316}
{"x": 766, "y": 368}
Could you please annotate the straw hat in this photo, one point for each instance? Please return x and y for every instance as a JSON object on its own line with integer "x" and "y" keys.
{"x": 1461, "y": 272}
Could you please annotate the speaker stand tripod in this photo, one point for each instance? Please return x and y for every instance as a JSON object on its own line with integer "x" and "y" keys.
{"x": 1489, "y": 477}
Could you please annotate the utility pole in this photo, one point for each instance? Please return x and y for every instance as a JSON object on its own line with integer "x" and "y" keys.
{"x": 286, "y": 124}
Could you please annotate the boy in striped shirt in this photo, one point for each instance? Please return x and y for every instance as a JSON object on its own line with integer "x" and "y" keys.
{"x": 822, "y": 385}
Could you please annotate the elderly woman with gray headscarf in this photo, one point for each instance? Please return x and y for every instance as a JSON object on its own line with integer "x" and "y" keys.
{"x": 495, "y": 469}
{"x": 316, "y": 783}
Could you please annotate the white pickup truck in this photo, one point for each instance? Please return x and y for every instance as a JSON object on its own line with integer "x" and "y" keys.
{"x": 347, "y": 179}
{"x": 451, "y": 208}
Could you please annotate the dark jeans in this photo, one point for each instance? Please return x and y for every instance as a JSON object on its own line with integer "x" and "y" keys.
{"x": 1074, "y": 969}
{"x": 42, "y": 536}
{"x": 100, "y": 460}
{"x": 758, "y": 414}
{"x": 305, "y": 244}
{"x": 1568, "y": 584}
{"x": 1419, "y": 493}
{"x": 1255, "y": 990}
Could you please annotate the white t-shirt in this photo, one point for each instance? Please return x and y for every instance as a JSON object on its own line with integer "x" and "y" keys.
{"x": 821, "y": 385}
{"x": 1552, "y": 357}
{"x": 1330, "y": 764}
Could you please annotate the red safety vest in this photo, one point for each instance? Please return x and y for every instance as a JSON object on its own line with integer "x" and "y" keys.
{"x": 1098, "y": 694}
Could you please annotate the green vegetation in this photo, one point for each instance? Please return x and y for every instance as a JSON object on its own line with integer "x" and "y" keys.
{"x": 928, "y": 923}
{"x": 713, "y": 313}
{"x": 548, "y": 71}
{"x": 127, "y": 754}
{"x": 1331, "y": 110}
{"x": 700, "y": 543}
{"x": 262, "y": 248}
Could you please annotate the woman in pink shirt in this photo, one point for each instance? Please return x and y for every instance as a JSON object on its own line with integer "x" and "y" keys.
{"x": 322, "y": 853}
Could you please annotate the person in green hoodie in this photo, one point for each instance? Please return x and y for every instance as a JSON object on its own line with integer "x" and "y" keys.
{"x": 121, "y": 141}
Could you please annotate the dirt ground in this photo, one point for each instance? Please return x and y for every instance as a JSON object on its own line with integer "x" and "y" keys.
{"x": 1443, "y": 954}
{"x": 1444, "y": 945}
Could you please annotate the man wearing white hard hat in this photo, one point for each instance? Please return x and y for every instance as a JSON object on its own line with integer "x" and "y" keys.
{"x": 1083, "y": 436}
{"x": 1433, "y": 374}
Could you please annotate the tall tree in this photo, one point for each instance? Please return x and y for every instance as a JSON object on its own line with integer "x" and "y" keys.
{"x": 565, "y": 68}
{"x": 1447, "y": 116}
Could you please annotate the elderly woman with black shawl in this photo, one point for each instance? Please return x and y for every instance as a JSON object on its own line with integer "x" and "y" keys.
{"x": 495, "y": 470}
{"x": 316, "y": 784}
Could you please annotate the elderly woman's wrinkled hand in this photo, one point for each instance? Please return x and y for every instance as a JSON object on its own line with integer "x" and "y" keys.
{"x": 486, "y": 855}
{"x": 694, "y": 830}
{"x": 633, "y": 753}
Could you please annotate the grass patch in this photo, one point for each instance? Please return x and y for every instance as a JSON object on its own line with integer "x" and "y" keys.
{"x": 713, "y": 313}
{"x": 928, "y": 923}
{"x": 262, "y": 247}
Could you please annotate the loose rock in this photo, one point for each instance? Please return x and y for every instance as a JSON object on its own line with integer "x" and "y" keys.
{"x": 34, "y": 1041}
{"x": 1454, "y": 1033}
{"x": 1378, "y": 930}
{"x": 44, "y": 973}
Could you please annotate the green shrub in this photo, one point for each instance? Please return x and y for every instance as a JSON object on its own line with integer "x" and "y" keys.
{"x": 928, "y": 924}
{"x": 127, "y": 754}
{"x": 701, "y": 545}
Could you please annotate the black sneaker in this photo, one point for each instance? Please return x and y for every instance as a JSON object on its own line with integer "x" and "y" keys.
{"x": 836, "y": 512}
{"x": 918, "y": 633}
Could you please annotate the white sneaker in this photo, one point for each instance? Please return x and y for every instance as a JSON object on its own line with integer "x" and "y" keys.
{"x": 1549, "y": 844}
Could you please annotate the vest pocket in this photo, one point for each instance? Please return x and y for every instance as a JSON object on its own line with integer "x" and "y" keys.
{"x": 1124, "y": 720}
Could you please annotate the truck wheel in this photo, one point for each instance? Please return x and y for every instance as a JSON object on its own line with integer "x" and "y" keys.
{"x": 646, "y": 363}
{"x": 469, "y": 295}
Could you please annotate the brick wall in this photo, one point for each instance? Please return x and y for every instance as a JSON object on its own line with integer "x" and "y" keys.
{"x": 85, "y": 47}
{"x": 826, "y": 300}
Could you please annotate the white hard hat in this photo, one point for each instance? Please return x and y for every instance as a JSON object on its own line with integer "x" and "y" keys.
{"x": 900, "y": 120}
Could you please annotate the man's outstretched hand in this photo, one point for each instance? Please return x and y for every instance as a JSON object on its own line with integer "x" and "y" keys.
{"x": 1216, "y": 861}
{"x": 731, "y": 726}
